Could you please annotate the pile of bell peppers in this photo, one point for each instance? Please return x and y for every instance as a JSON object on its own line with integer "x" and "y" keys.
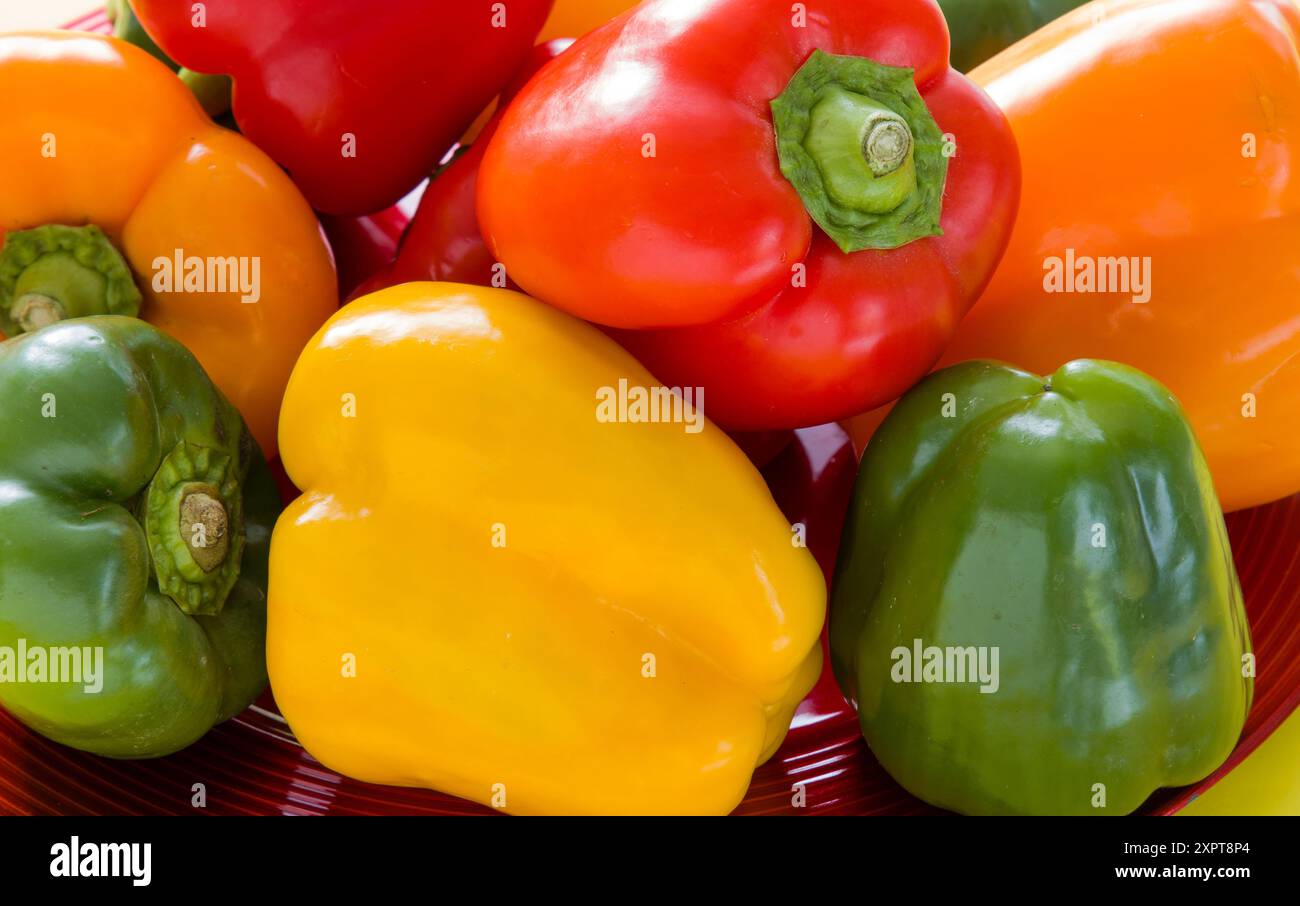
{"x": 528, "y": 557}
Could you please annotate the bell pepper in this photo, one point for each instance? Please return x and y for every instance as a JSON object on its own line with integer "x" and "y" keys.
{"x": 574, "y": 18}
{"x": 359, "y": 102}
{"x": 364, "y": 247}
{"x": 213, "y": 91}
{"x": 135, "y": 518}
{"x": 503, "y": 595}
{"x": 773, "y": 184}
{"x": 1157, "y": 137}
{"x": 1036, "y": 609}
{"x": 812, "y": 481}
{"x": 981, "y": 29}
{"x": 443, "y": 241}
{"x": 568, "y": 19}
{"x": 128, "y": 28}
{"x": 118, "y": 196}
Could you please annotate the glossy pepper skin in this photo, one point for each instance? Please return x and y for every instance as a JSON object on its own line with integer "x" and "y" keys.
{"x": 213, "y": 91}
{"x": 114, "y": 446}
{"x": 1069, "y": 524}
{"x": 443, "y": 241}
{"x": 364, "y": 247}
{"x": 506, "y": 567}
{"x": 1173, "y": 183}
{"x": 981, "y": 29}
{"x": 102, "y": 138}
{"x": 574, "y": 18}
{"x": 404, "y": 78}
{"x": 128, "y": 28}
{"x": 640, "y": 182}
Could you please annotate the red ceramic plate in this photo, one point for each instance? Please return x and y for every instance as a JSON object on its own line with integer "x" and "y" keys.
{"x": 253, "y": 765}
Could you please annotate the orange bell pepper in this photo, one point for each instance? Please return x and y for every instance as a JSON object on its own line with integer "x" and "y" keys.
{"x": 100, "y": 136}
{"x": 1160, "y": 132}
{"x": 574, "y": 18}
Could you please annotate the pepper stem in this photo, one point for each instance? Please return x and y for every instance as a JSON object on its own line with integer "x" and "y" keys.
{"x": 193, "y": 520}
{"x": 863, "y": 151}
{"x": 886, "y": 144}
{"x": 859, "y": 145}
{"x": 214, "y": 92}
{"x": 204, "y": 525}
{"x": 32, "y": 311}
{"x": 55, "y": 272}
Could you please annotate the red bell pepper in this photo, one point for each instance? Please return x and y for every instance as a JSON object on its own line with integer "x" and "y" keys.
{"x": 363, "y": 246}
{"x": 443, "y": 241}
{"x": 358, "y": 101}
{"x": 791, "y": 205}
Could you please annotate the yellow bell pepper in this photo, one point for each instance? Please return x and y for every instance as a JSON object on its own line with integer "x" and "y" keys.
{"x": 493, "y": 587}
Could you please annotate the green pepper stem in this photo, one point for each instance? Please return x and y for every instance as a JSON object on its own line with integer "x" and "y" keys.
{"x": 32, "y": 311}
{"x": 863, "y": 151}
{"x": 204, "y": 526}
{"x": 54, "y": 272}
{"x": 886, "y": 143}
{"x": 861, "y": 148}
{"x": 213, "y": 91}
{"x": 193, "y": 519}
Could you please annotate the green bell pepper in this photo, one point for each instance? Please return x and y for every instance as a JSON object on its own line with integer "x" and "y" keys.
{"x": 981, "y": 29}
{"x": 1036, "y": 609}
{"x": 135, "y": 520}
